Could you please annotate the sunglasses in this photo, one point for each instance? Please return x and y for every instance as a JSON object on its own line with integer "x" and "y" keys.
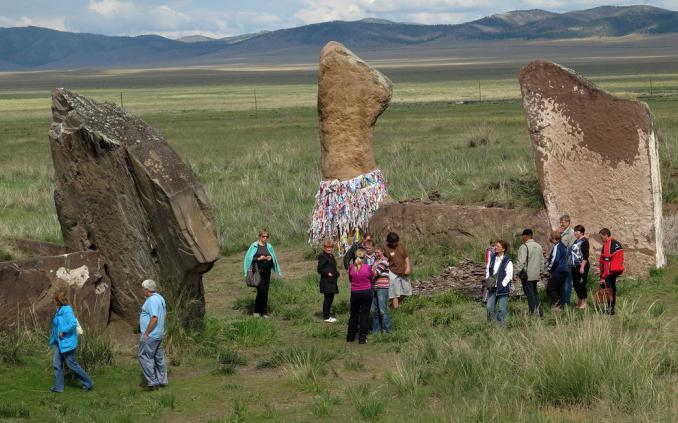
{"x": 263, "y": 236}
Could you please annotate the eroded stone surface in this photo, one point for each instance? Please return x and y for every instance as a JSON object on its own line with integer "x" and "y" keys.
{"x": 28, "y": 287}
{"x": 351, "y": 96}
{"x": 457, "y": 226}
{"x": 122, "y": 191}
{"x": 597, "y": 160}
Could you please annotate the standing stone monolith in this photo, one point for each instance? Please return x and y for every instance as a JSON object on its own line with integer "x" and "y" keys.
{"x": 121, "y": 190}
{"x": 351, "y": 97}
{"x": 597, "y": 160}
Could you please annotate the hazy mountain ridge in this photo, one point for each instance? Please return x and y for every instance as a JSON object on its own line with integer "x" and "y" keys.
{"x": 39, "y": 48}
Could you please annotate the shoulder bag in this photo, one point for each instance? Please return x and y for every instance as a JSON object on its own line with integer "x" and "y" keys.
{"x": 522, "y": 275}
{"x": 253, "y": 277}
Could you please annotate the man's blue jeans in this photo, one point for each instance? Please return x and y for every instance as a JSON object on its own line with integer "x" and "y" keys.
{"x": 69, "y": 358}
{"x": 380, "y": 319}
{"x": 492, "y": 299}
{"x": 568, "y": 288}
{"x": 152, "y": 361}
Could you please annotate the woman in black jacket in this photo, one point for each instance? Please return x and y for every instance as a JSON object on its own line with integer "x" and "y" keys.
{"x": 327, "y": 268}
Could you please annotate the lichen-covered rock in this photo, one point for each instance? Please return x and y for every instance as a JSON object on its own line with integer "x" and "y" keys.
{"x": 597, "y": 160}
{"x": 28, "y": 287}
{"x": 121, "y": 190}
{"x": 351, "y": 96}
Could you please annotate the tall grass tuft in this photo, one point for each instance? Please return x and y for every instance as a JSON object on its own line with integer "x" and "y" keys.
{"x": 95, "y": 351}
{"x": 14, "y": 411}
{"x": 369, "y": 404}
{"x": 307, "y": 368}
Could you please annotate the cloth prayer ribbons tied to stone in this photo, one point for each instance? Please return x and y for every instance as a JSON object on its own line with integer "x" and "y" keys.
{"x": 341, "y": 206}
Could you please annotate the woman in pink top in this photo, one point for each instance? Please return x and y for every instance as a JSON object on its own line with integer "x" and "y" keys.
{"x": 360, "y": 275}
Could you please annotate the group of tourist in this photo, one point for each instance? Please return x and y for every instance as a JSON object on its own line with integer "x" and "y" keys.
{"x": 567, "y": 266}
{"x": 378, "y": 276}
{"x": 151, "y": 354}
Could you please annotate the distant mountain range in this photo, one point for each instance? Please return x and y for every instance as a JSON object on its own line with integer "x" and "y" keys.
{"x": 33, "y": 48}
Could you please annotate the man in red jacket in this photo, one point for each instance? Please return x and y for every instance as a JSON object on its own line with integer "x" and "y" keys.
{"x": 611, "y": 265}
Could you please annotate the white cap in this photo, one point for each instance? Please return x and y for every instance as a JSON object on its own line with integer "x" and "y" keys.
{"x": 149, "y": 284}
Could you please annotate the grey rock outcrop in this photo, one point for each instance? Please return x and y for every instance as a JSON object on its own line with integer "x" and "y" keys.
{"x": 28, "y": 286}
{"x": 597, "y": 160}
{"x": 121, "y": 190}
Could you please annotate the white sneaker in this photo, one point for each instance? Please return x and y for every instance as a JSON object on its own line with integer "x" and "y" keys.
{"x": 256, "y": 315}
{"x": 266, "y": 316}
{"x": 330, "y": 320}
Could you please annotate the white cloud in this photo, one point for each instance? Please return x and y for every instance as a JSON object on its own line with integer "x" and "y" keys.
{"x": 436, "y": 18}
{"x": 56, "y": 22}
{"x": 327, "y": 10}
{"x": 111, "y": 8}
{"x": 168, "y": 18}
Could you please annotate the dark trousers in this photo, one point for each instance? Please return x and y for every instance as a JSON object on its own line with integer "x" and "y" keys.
{"x": 556, "y": 289}
{"x": 532, "y": 294}
{"x": 261, "y": 303}
{"x": 579, "y": 281}
{"x": 327, "y": 305}
{"x": 361, "y": 301}
{"x": 611, "y": 282}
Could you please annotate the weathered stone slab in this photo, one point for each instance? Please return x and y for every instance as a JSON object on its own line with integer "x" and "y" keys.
{"x": 457, "y": 226}
{"x": 351, "y": 97}
{"x": 28, "y": 287}
{"x": 597, "y": 160}
{"x": 121, "y": 190}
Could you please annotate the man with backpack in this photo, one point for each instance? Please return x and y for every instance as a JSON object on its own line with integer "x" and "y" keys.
{"x": 529, "y": 267}
{"x": 611, "y": 265}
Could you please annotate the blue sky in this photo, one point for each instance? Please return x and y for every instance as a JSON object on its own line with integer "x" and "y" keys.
{"x": 175, "y": 18}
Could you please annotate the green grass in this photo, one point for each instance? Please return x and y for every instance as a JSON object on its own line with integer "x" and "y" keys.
{"x": 442, "y": 363}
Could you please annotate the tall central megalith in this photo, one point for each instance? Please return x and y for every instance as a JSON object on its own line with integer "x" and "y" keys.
{"x": 122, "y": 191}
{"x": 351, "y": 97}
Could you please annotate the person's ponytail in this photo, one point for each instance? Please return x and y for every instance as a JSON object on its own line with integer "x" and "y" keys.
{"x": 359, "y": 259}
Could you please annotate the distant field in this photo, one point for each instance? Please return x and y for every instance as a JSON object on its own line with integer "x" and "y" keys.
{"x": 267, "y": 158}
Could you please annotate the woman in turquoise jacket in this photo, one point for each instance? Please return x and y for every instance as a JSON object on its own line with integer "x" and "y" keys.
{"x": 260, "y": 257}
{"x": 65, "y": 340}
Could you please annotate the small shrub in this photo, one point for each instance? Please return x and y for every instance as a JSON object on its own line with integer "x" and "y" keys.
{"x": 95, "y": 351}
{"x": 229, "y": 356}
{"x": 369, "y": 404}
{"x": 251, "y": 332}
{"x": 323, "y": 404}
{"x": 167, "y": 400}
{"x": 325, "y": 331}
{"x": 285, "y": 356}
{"x": 479, "y": 135}
{"x": 341, "y": 307}
{"x": 444, "y": 317}
{"x": 14, "y": 411}
{"x": 307, "y": 368}
{"x": 407, "y": 377}
{"x": 244, "y": 304}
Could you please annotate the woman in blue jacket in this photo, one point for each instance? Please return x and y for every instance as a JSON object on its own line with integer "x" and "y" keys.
{"x": 65, "y": 340}
{"x": 260, "y": 257}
